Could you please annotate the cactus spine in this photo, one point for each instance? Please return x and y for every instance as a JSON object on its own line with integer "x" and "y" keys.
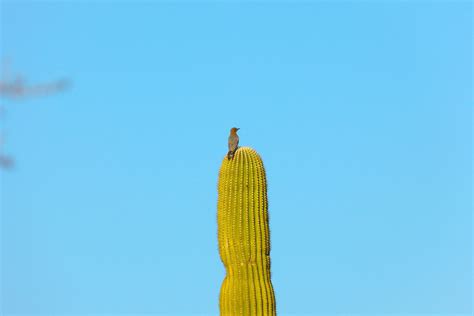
{"x": 244, "y": 236}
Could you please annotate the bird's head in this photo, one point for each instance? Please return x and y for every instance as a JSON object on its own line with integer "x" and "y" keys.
{"x": 234, "y": 130}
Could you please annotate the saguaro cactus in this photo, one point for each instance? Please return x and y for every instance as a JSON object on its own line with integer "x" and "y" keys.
{"x": 244, "y": 236}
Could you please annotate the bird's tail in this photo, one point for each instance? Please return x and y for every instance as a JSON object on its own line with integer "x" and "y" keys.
{"x": 230, "y": 154}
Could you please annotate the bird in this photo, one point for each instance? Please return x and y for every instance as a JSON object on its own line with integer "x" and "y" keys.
{"x": 233, "y": 142}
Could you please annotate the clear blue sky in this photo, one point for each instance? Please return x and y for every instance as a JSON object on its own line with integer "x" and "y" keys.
{"x": 361, "y": 111}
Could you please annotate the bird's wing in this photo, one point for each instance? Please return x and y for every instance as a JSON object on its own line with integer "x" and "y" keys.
{"x": 233, "y": 142}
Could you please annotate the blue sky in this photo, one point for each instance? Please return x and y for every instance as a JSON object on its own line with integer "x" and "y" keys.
{"x": 361, "y": 112}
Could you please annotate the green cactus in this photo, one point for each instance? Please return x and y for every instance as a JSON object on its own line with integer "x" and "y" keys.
{"x": 244, "y": 236}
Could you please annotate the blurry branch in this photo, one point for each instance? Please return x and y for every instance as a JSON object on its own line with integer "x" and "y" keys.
{"x": 15, "y": 89}
{"x": 6, "y": 162}
{"x": 18, "y": 88}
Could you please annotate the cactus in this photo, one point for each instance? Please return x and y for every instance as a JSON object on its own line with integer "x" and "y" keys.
{"x": 244, "y": 236}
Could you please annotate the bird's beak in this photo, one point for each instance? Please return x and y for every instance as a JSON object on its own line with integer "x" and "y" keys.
{"x": 238, "y": 128}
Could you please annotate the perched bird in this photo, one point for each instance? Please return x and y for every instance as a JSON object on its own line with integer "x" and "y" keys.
{"x": 233, "y": 142}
